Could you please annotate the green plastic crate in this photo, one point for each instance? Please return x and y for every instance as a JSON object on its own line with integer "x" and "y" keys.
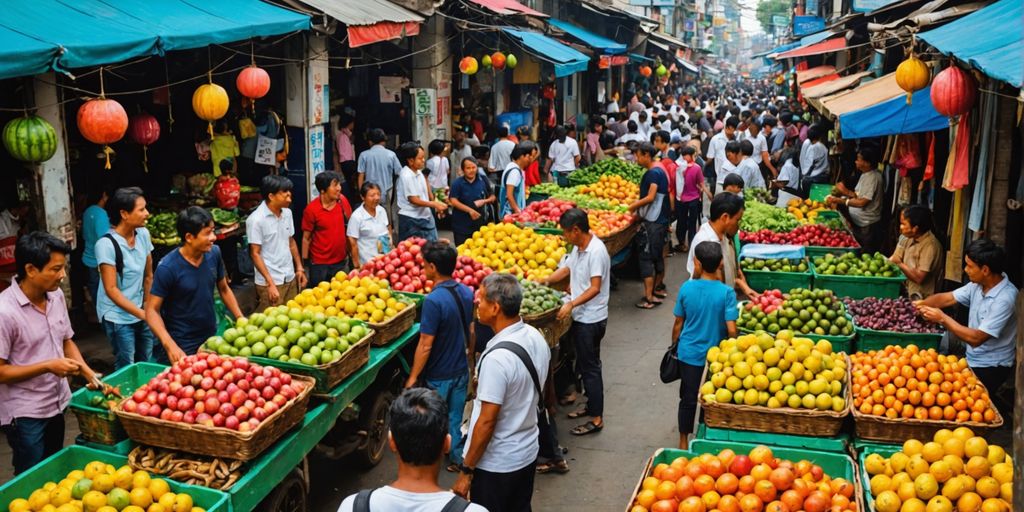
{"x": 548, "y": 231}
{"x": 859, "y": 287}
{"x": 121, "y": 448}
{"x": 416, "y": 298}
{"x": 859, "y": 445}
{"x": 814, "y": 251}
{"x": 836, "y": 465}
{"x": 54, "y": 468}
{"x": 884, "y": 451}
{"x": 761, "y": 280}
{"x": 868, "y": 339}
{"x": 837, "y": 444}
{"x": 98, "y": 424}
{"x": 819, "y": 191}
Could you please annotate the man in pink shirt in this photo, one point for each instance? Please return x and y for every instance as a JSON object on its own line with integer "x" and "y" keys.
{"x": 690, "y": 181}
{"x": 36, "y": 351}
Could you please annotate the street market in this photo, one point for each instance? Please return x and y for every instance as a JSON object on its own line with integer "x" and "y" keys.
{"x": 472, "y": 254}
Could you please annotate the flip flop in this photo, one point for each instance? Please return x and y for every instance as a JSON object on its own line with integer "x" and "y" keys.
{"x": 646, "y": 304}
{"x": 578, "y": 413}
{"x": 586, "y": 428}
{"x": 661, "y": 294}
{"x": 561, "y": 467}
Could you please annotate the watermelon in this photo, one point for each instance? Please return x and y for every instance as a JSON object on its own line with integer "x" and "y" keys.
{"x": 30, "y": 139}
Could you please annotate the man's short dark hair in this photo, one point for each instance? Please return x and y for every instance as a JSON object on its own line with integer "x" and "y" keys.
{"x": 662, "y": 135}
{"x": 522, "y": 148}
{"x": 870, "y": 155}
{"x": 725, "y": 203}
{"x": 985, "y": 253}
{"x": 502, "y": 131}
{"x": 919, "y": 216}
{"x": 647, "y": 148}
{"x": 506, "y": 291}
{"x": 815, "y": 132}
{"x": 733, "y": 180}
{"x": 192, "y": 220}
{"x": 747, "y": 147}
{"x": 123, "y": 199}
{"x": 468, "y": 159}
{"x": 36, "y": 249}
{"x": 755, "y": 122}
{"x": 324, "y": 180}
{"x": 732, "y": 122}
{"x": 631, "y": 126}
{"x": 408, "y": 150}
{"x": 377, "y": 136}
{"x": 733, "y": 146}
{"x": 574, "y": 217}
{"x": 273, "y": 184}
{"x": 770, "y": 122}
{"x": 436, "y": 147}
{"x": 709, "y": 254}
{"x": 688, "y": 150}
{"x": 419, "y": 424}
{"x": 442, "y": 255}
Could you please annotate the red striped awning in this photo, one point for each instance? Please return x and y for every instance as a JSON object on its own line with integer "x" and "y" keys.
{"x": 828, "y": 46}
{"x": 508, "y": 7}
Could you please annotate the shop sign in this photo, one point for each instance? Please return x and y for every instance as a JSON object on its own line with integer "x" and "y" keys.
{"x": 804, "y": 25}
{"x": 319, "y": 98}
{"x": 870, "y": 5}
{"x": 607, "y": 61}
{"x": 266, "y": 151}
{"x": 780, "y": 20}
{"x": 444, "y": 108}
{"x": 424, "y": 102}
{"x": 317, "y": 154}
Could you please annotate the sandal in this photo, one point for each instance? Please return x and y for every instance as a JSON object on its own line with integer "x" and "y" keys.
{"x": 661, "y": 294}
{"x": 586, "y": 428}
{"x": 578, "y": 413}
{"x": 568, "y": 399}
{"x": 561, "y": 467}
{"x": 646, "y": 304}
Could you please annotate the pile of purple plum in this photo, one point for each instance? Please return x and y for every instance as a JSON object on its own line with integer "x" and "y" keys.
{"x": 895, "y": 315}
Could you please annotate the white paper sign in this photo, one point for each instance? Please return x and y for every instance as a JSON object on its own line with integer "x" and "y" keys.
{"x": 391, "y": 88}
{"x": 318, "y": 91}
{"x": 266, "y": 149}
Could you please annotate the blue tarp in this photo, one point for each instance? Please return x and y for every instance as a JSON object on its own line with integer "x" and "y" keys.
{"x": 589, "y": 38}
{"x": 65, "y": 34}
{"x": 893, "y": 117}
{"x": 990, "y": 39}
{"x": 565, "y": 58}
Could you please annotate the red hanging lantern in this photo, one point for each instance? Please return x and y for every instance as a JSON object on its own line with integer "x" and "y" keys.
{"x": 102, "y": 121}
{"x": 645, "y": 71}
{"x": 253, "y": 82}
{"x": 953, "y": 92}
{"x": 144, "y": 129}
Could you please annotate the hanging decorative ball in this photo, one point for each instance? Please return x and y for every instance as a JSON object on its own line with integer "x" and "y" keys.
{"x": 498, "y": 60}
{"x": 253, "y": 82}
{"x": 102, "y": 121}
{"x": 662, "y": 70}
{"x": 645, "y": 71}
{"x": 468, "y": 66}
{"x": 144, "y": 129}
{"x": 912, "y": 75}
{"x": 30, "y": 139}
{"x": 954, "y": 92}
{"x": 486, "y": 61}
{"x": 511, "y": 61}
{"x": 210, "y": 103}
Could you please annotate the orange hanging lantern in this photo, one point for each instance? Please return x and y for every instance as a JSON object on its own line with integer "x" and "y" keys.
{"x": 253, "y": 82}
{"x": 210, "y": 103}
{"x": 645, "y": 71}
{"x": 102, "y": 121}
{"x": 468, "y": 66}
{"x": 498, "y": 60}
{"x": 912, "y": 75}
{"x": 954, "y": 92}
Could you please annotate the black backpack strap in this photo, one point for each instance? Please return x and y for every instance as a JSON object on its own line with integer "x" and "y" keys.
{"x": 362, "y": 501}
{"x": 456, "y": 504}
{"x": 462, "y": 311}
{"x": 523, "y": 356}
{"x": 118, "y": 256}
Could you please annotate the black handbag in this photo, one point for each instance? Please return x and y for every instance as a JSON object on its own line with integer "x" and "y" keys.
{"x": 669, "y": 369}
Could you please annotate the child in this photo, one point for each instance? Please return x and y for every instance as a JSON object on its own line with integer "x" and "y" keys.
{"x": 705, "y": 314}
{"x": 748, "y": 168}
{"x": 733, "y": 184}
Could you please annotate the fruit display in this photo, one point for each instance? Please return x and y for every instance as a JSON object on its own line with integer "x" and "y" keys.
{"x": 509, "y": 248}
{"x": 774, "y": 372}
{"x": 849, "y": 264}
{"x": 216, "y": 391}
{"x": 470, "y": 272}
{"x": 538, "y": 298}
{"x": 742, "y": 482}
{"x": 760, "y": 195}
{"x": 104, "y": 400}
{"x": 289, "y": 335}
{"x": 805, "y": 210}
{"x": 758, "y": 216}
{"x": 955, "y": 470}
{"x": 804, "y": 311}
{"x": 818, "y": 235}
{"x": 898, "y": 315}
{"x": 774, "y": 264}
{"x": 768, "y": 301}
{"x": 100, "y": 487}
{"x": 613, "y": 188}
{"x": 363, "y": 298}
{"x": 604, "y": 223}
{"x": 402, "y": 267}
{"x": 547, "y": 189}
{"x": 163, "y": 228}
{"x": 542, "y": 214}
{"x": 585, "y": 201}
{"x": 610, "y": 167}
{"x": 907, "y": 382}
{"x": 224, "y": 217}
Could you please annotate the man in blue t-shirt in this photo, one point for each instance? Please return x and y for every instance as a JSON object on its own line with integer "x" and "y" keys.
{"x": 469, "y": 195}
{"x": 180, "y": 310}
{"x": 655, "y": 214}
{"x": 705, "y": 314}
{"x": 445, "y": 333}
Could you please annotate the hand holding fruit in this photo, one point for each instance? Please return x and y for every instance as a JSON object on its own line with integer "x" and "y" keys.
{"x": 932, "y": 314}
{"x": 63, "y": 366}
{"x": 174, "y": 353}
{"x": 565, "y": 310}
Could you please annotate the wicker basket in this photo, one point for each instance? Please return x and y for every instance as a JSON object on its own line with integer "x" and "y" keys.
{"x": 216, "y": 441}
{"x": 620, "y": 239}
{"x": 555, "y": 329}
{"x": 543, "y": 318}
{"x": 783, "y": 420}
{"x": 102, "y": 428}
{"x": 898, "y": 430}
{"x": 390, "y": 330}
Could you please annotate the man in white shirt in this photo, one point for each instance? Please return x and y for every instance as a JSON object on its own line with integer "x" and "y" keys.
{"x": 741, "y": 154}
{"x": 498, "y": 466}
{"x": 814, "y": 157}
{"x": 418, "y": 434}
{"x": 724, "y": 221}
{"x": 563, "y": 155}
{"x": 760, "y": 155}
{"x": 501, "y": 152}
{"x": 716, "y": 150}
{"x": 588, "y": 267}
{"x": 415, "y": 199}
{"x": 275, "y": 255}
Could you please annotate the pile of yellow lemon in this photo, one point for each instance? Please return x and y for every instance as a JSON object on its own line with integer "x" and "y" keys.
{"x": 100, "y": 487}
{"x": 363, "y": 298}
{"x": 506, "y": 247}
{"x": 805, "y": 210}
{"x": 613, "y": 188}
{"x": 956, "y": 470}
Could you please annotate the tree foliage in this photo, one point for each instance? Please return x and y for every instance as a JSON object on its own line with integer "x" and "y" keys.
{"x": 768, "y": 8}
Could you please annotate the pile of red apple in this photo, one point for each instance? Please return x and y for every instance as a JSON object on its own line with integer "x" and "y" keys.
{"x": 817, "y": 235}
{"x": 470, "y": 272}
{"x": 769, "y": 301}
{"x": 402, "y": 267}
{"x": 216, "y": 391}
{"x": 542, "y": 213}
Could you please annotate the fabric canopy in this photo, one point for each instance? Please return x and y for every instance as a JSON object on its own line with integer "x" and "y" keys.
{"x": 777, "y": 49}
{"x": 844, "y": 82}
{"x": 566, "y": 59}
{"x": 59, "y": 34}
{"x": 989, "y": 39}
{"x": 815, "y": 72}
{"x": 710, "y": 69}
{"x": 894, "y": 117}
{"x": 831, "y": 45}
{"x": 687, "y": 65}
{"x": 370, "y": 21}
{"x": 865, "y": 95}
{"x": 507, "y": 7}
{"x": 589, "y": 38}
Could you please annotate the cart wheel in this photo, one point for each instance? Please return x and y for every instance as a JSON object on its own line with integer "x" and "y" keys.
{"x": 288, "y": 496}
{"x": 374, "y": 421}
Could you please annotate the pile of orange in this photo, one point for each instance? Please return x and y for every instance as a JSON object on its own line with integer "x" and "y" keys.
{"x": 613, "y": 188}
{"x": 603, "y": 222}
{"x": 907, "y": 382}
{"x": 731, "y": 482}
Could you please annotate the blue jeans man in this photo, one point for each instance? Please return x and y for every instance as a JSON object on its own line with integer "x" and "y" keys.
{"x": 132, "y": 343}
{"x": 453, "y": 392}
{"x": 34, "y": 439}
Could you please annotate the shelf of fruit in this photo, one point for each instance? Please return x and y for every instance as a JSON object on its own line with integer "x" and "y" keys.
{"x": 615, "y": 189}
{"x": 611, "y": 167}
{"x": 402, "y": 269}
{"x": 813, "y": 235}
{"x": 814, "y": 313}
{"x": 582, "y": 200}
{"x": 883, "y": 322}
{"x": 509, "y": 248}
{"x": 858, "y": 277}
{"x": 953, "y": 470}
{"x": 539, "y": 301}
{"x": 541, "y": 214}
{"x": 604, "y": 223}
{"x": 758, "y": 216}
{"x": 806, "y": 211}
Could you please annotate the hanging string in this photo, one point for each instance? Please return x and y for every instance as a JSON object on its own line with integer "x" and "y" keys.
{"x": 107, "y": 150}
{"x": 170, "y": 104}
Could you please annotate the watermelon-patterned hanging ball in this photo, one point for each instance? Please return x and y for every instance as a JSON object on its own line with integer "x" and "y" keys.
{"x": 30, "y": 139}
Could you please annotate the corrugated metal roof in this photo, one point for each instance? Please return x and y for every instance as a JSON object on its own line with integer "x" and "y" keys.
{"x": 364, "y": 12}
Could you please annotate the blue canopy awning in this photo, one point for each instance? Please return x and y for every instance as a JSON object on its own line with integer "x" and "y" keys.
{"x": 589, "y": 38}
{"x": 990, "y": 39}
{"x": 566, "y": 59}
{"x": 894, "y": 117}
{"x": 62, "y": 34}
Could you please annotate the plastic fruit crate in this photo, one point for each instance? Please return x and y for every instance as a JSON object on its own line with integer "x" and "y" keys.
{"x": 98, "y": 424}
{"x": 868, "y": 339}
{"x": 76, "y": 457}
{"x": 122, "y": 448}
{"x": 837, "y": 444}
{"x": 761, "y": 280}
{"x": 814, "y": 251}
{"x": 883, "y": 450}
{"x": 819, "y": 191}
{"x": 859, "y": 287}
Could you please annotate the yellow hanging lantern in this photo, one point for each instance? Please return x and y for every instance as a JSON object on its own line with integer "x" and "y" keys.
{"x": 912, "y": 75}
{"x": 210, "y": 103}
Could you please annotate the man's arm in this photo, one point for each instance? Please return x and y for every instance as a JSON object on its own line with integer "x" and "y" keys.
{"x": 677, "y": 328}
{"x": 416, "y": 201}
{"x": 511, "y": 198}
{"x": 730, "y": 327}
{"x": 939, "y": 300}
{"x": 307, "y": 237}
{"x": 61, "y": 366}
{"x": 360, "y": 179}
{"x": 483, "y": 431}
{"x": 583, "y": 298}
{"x": 652, "y": 192}
{"x": 766, "y": 157}
{"x": 71, "y": 352}
{"x": 557, "y": 276}
{"x": 300, "y": 273}
{"x": 972, "y": 337}
{"x": 419, "y": 362}
{"x": 916, "y": 275}
{"x": 147, "y": 279}
{"x": 473, "y": 214}
{"x": 228, "y": 296}
{"x": 156, "y": 324}
{"x": 354, "y": 244}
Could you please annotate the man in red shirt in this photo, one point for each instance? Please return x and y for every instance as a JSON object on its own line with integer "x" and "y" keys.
{"x": 324, "y": 243}
{"x": 661, "y": 140}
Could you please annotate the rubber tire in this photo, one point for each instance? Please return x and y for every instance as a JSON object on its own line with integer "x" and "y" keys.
{"x": 374, "y": 420}
{"x": 289, "y": 496}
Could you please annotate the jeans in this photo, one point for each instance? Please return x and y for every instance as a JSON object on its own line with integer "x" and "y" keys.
{"x": 453, "y": 392}
{"x": 34, "y": 439}
{"x": 687, "y": 220}
{"x": 132, "y": 343}
{"x": 92, "y": 282}
{"x": 587, "y": 342}
{"x": 504, "y": 492}
{"x": 689, "y": 386}
{"x": 323, "y": 272}
{"x": 409, "y": 227}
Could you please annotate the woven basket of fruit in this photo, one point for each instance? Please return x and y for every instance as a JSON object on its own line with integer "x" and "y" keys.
{"x": 391, "y": 329}
{"x": 95, "y": 410}
{"x": 620, "y": 239}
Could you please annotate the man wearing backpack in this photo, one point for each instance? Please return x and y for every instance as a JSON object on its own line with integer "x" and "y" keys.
{"x": 445, "y": 325}
{"x": 418, "y": 434}
{"x": 499, "y": 462}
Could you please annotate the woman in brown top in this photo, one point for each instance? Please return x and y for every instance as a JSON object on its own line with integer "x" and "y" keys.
{"x": 919, "y": 254}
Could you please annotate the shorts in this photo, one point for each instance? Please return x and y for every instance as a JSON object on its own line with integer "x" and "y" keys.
{"x": 651, "y": 248}
{"x": 288, "y": 291}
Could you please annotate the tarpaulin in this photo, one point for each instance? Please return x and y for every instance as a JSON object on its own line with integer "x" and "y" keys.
{"x": 566, "y": 60}
{"x": 507, "y": 7}
{"x": 844, "y": 82}
{"x": 990, "y": 39}
{"x": 589, "y": 38}
{"x": 831, "y": 45}
{"x": 894, "y": 117}
{"x": 381, "y": 31}
{"x": 815, "y": 72}
{"x": 370, "y": 21}
{"x": 863, "y": 96}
